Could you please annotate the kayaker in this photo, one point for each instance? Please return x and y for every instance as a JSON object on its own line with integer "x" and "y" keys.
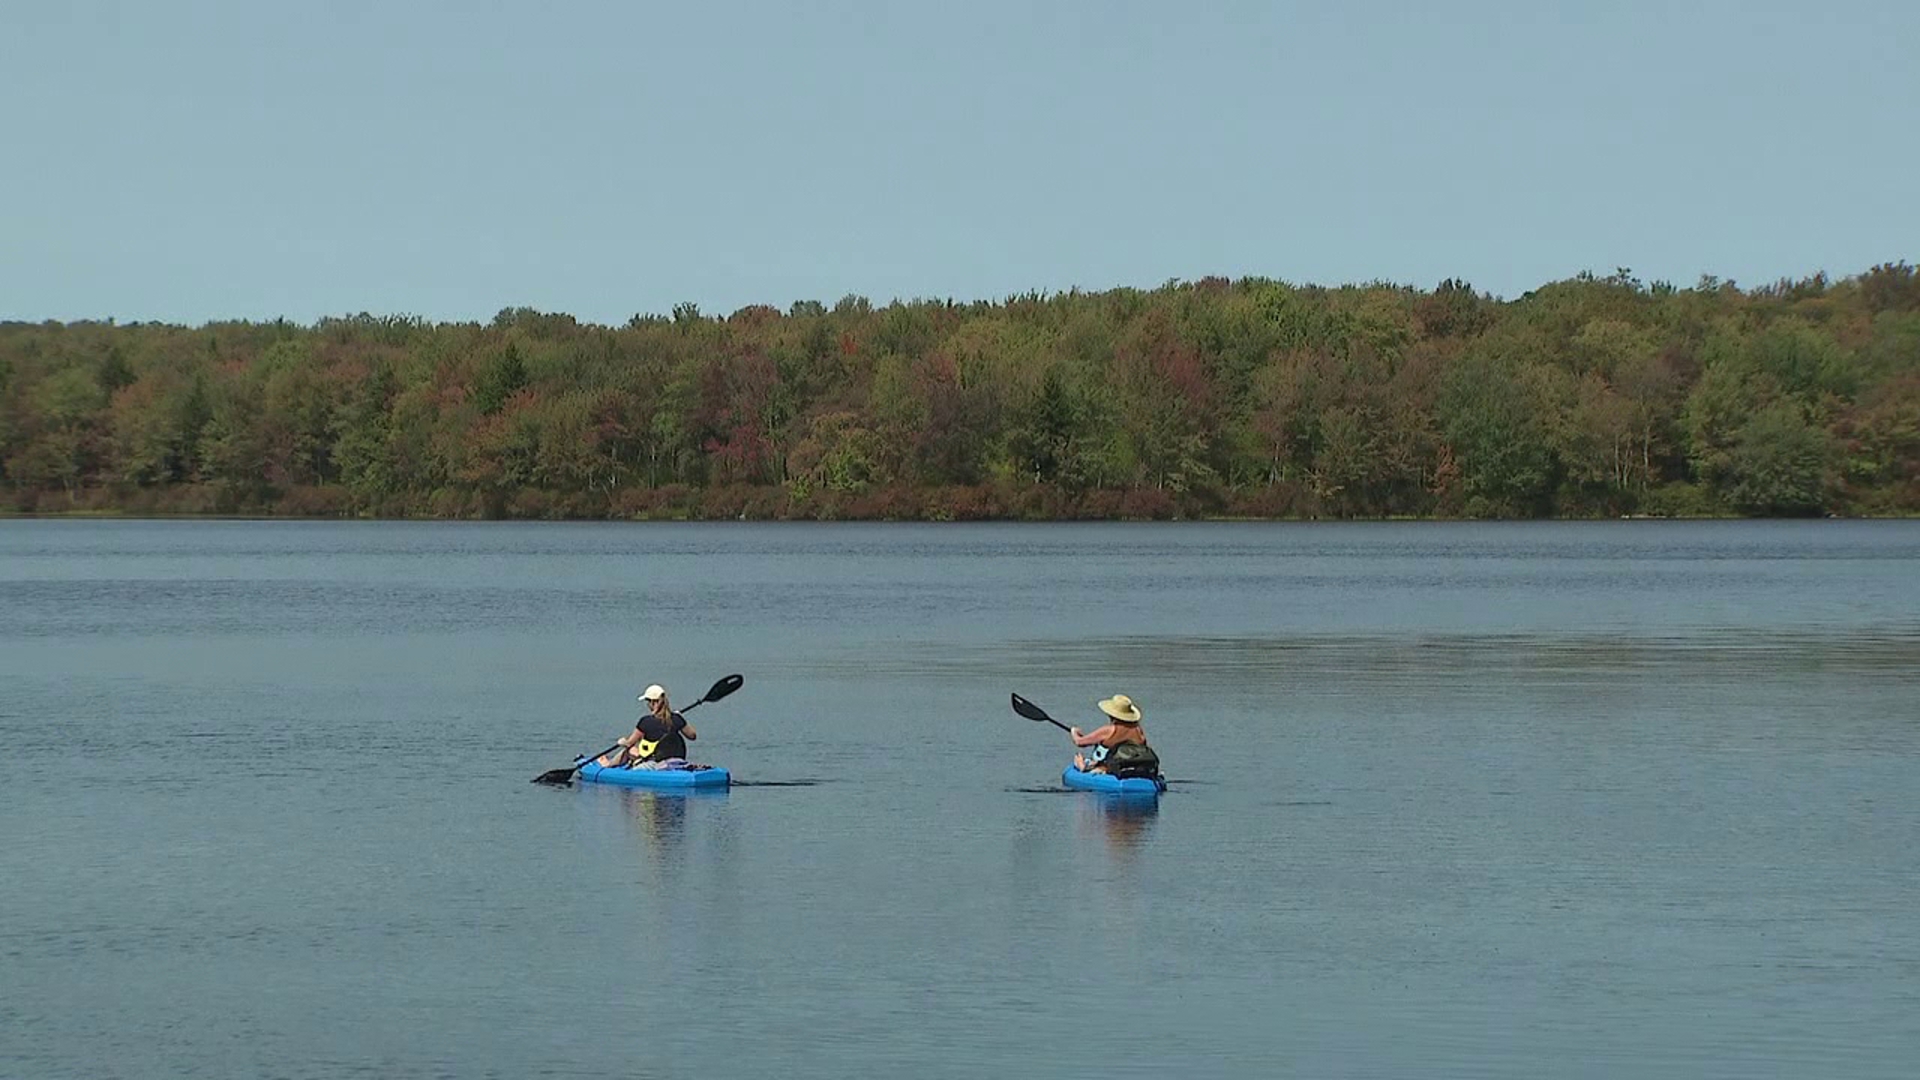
{"x": 1122, "y": 743}
{"x": 666, "y": 730}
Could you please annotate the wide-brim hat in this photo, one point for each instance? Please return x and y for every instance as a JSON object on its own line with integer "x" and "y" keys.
{"x": 1121, "y": 708}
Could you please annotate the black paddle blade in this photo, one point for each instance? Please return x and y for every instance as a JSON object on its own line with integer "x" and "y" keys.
{"x": 565, "y": 776}
{"x": 1029, "y": 710}
{"x": 724, "y": 687}
{"x": 1034, "y": 712}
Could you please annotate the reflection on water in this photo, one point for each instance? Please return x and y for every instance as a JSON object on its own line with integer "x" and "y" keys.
{"x": 661, "y": 820}
{"x": 658, "y": 818}
{"x": 1122, "y": 822}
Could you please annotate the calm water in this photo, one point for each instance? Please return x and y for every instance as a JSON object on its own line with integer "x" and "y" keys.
{"x": 1603, "y": 800}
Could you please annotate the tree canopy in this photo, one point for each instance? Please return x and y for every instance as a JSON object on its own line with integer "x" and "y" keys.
{"x": 1253, "y": 397}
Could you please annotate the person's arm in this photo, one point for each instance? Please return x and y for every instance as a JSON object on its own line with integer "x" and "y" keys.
{"x": 619, "y": 744}
{"x": 686, "y": 729}
{"x": 1091, "y": 738}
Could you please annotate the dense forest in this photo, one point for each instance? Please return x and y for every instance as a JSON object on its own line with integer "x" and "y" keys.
{"x": 1248, "y": 398}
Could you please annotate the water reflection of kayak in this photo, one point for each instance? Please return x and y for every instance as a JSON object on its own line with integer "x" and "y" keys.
{"x": 698, "y": 776}
{"x": 1131, "y": 785}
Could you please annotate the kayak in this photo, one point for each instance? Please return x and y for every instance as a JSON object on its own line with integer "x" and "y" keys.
{"x": 699, "y": 776}
{"x": 1132, "y": 785}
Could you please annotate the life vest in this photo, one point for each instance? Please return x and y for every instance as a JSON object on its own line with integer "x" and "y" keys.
{"x": 644, "y": 749}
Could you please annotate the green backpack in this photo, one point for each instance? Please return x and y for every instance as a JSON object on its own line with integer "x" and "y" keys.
{"x": 1131, "y": 759}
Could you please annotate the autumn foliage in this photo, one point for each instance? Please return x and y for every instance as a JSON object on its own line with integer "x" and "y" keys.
{"x": 1587, "y": 397}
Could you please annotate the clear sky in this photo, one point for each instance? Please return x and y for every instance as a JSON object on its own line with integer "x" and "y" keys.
{"x": 254, "y": 158}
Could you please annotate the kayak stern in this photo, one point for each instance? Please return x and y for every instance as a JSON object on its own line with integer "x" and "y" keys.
{"x": 1132, "y": 785}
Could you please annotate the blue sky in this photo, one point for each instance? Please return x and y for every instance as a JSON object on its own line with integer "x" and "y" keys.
{"x": 193, "y": 161}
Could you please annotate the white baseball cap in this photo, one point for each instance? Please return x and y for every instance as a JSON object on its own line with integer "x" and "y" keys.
{"x": 654, "y": 693}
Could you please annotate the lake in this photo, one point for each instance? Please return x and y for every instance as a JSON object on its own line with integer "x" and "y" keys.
{"x": 1612, "y": 799}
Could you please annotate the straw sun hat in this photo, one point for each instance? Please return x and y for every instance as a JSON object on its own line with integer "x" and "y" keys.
{"x": 1121, "y": 708}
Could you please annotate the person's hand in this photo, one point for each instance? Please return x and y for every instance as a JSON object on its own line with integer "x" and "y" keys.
{"x": 1074, "y": 731}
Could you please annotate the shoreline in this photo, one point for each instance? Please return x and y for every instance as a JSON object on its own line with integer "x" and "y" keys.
{"x": 1200, "y": 519}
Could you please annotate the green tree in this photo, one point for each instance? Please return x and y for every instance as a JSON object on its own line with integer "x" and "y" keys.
{"x": 143, "y": 440}
{"x": 362, "y": 430}
{"x": 504, "y": 376}
{"x": 1043, "y": 431}
{"x": 1494, "y": 414}
{"x": 1779, "y": 464}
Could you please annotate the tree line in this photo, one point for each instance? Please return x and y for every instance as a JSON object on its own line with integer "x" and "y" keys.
{"x": 1253, "y": 397}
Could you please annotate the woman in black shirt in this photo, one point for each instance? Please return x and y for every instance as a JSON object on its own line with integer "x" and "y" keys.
{"x": 660, "y": 735}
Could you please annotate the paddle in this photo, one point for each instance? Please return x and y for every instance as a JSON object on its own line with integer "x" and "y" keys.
{"x": 565, "y": 776}
{"x": 1034, "y": 712}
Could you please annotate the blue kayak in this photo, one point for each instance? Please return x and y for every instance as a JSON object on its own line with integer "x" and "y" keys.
{"x": 699, "y": 776}
{"x": 1132, "y": 785}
